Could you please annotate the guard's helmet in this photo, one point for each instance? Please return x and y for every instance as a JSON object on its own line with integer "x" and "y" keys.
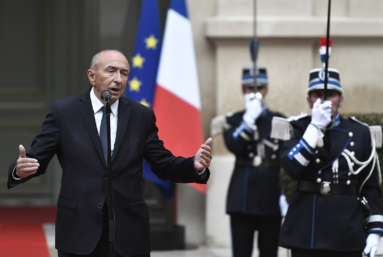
{"x": 316, "y": 80}
{"x": 248, "y": 77}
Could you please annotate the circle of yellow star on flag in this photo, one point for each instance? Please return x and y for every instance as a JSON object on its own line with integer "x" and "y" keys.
{"x": 143, "y": 101}
{"x": 151, "y": 42}
{"x": 138, "y": 61}
{"x": 135, "y": 84}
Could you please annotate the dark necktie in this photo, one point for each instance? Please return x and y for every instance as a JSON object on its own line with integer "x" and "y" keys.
{"x": 104, "y": 135}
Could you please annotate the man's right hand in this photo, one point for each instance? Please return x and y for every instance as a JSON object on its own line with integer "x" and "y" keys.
{"x": 253, "y": 109}
{"x": 26, "y": 166}
{"x": 321, "y": 114}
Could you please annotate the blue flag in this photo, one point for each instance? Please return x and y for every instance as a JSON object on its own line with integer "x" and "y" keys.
{"x": 143, "y": 74}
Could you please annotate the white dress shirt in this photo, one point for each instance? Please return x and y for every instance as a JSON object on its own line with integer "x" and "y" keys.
{"x": 97, "y": 105}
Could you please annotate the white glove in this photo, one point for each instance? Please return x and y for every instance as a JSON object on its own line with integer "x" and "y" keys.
{"x": 321, "y": 114}
{"x": 311, "y": 135}
{"x": 283, "y": 205}
{"x": 253, "y": 109}
{"x": 371, "y": 244}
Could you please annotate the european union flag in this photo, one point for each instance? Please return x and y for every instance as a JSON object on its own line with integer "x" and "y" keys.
{"x": 143, "y": 73}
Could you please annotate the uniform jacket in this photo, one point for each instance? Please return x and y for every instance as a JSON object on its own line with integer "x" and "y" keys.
{"x": 254, "y": 187}
{"x": 332, "y": 222}
{"x": 69, "y": 130}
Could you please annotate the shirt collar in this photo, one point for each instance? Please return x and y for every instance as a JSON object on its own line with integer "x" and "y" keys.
{"x": 97, "y": 104}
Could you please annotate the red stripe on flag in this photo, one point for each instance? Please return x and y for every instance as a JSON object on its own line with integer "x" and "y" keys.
{"x": 179, "y": 125}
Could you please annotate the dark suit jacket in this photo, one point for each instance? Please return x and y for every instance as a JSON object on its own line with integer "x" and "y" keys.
{"x": 69, "y": 130}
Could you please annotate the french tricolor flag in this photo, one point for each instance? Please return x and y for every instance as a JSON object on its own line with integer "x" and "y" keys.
{"x": 177, "y": 103}
{"x": 322, "y": 49}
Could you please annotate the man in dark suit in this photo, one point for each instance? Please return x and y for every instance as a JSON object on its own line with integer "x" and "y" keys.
{"x": 72, "y": 130}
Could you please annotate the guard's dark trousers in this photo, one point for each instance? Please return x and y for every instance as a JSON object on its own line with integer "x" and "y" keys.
{"x": 243, "y": 227}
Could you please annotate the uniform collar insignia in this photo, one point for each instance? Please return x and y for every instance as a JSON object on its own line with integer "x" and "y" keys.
{"x": 265, "y": 111}
{"x": 336, "y": 122}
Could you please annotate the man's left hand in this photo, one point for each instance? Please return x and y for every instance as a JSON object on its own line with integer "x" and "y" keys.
{"x": 203, "y": 157}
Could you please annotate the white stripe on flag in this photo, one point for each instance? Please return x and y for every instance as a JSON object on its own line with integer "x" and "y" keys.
{"x": 177, "y": 69}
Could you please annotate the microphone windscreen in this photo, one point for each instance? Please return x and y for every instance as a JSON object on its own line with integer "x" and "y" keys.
{"x": 106, "y": 95}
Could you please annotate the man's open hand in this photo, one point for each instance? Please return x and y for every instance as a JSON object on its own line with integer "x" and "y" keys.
{"x": 203, "y": 157}
{"x": 26, "y": 166}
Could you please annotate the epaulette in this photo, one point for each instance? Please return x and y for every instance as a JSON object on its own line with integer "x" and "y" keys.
{"x": 375, "y": 131}
{"x": 281, "y": 127}
{"x": 376, "y": 134}
{"x": 356, "y": 120}
{"x": 218, "y": 124}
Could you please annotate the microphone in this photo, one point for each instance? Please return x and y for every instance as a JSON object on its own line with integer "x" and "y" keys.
{"x": 106, "y": 95}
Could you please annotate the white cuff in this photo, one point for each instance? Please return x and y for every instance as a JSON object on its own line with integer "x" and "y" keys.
{"x": 13, "y": 174}
{"x": 201, "y": 172}
{"x": 301, "y": 159}
{"x": 311, "y": 136}
{"x": 375, "y": 218}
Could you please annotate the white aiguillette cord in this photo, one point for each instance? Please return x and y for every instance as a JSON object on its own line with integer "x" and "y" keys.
{"x": 335, "y": 167}
{"x": 373, "y": 157}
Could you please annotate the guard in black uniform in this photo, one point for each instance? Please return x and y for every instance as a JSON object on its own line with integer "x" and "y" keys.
{"x": 254, "y": 194}
{"x": 335, "y": 164}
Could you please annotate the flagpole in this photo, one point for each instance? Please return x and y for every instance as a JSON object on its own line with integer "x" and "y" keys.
{"x": 327, "y": 53}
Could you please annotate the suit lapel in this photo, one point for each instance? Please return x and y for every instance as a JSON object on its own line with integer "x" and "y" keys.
{"x": 86, "y": 110}
{"x": 123, "y": 119}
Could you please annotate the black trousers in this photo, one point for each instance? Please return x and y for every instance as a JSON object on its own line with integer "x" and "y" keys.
{"x": 102, "y": 248}
{"x": 322, "y": 253}
{"x": 243, "y": 227}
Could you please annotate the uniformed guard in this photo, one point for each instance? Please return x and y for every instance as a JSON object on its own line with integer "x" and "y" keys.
{"x": 254, "y": 193}
{"x": 335, "y": 164}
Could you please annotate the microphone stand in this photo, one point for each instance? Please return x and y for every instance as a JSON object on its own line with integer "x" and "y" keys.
{"x": 112, "y": 224}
